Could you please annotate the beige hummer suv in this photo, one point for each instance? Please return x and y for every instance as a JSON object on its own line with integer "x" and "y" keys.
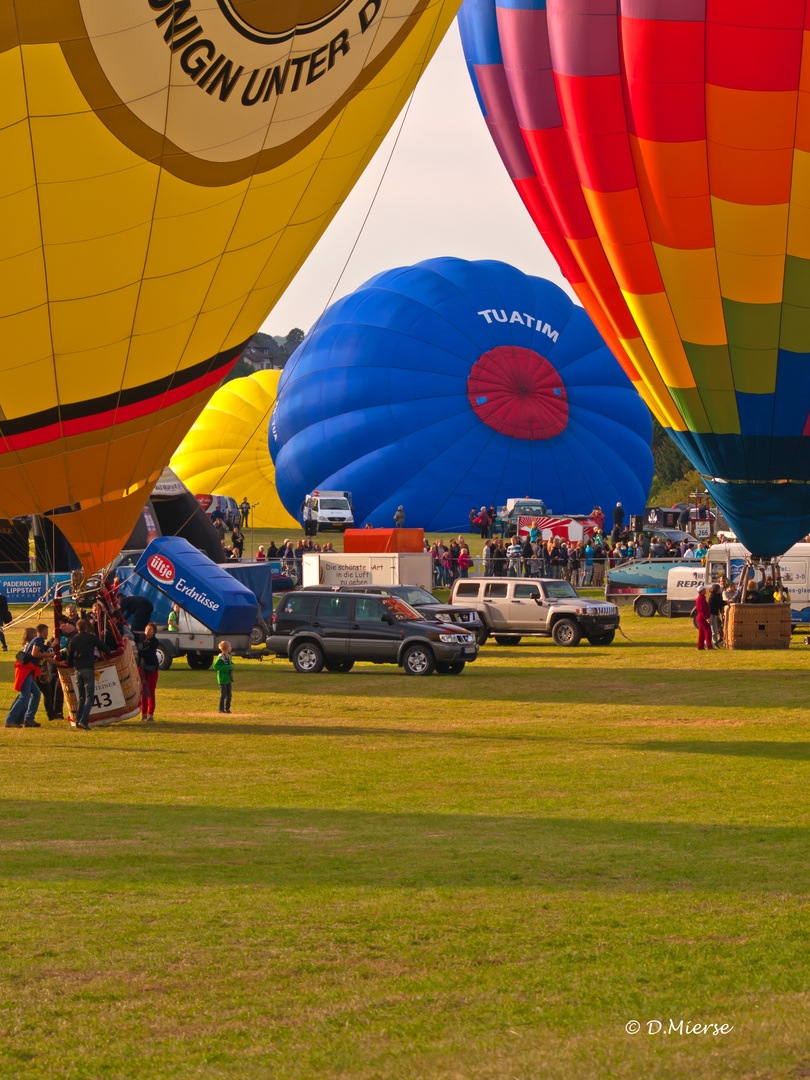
{"x": 511, "y": 608}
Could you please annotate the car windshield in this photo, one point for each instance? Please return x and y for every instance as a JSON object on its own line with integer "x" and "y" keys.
{"x": 400, "y": 610}
{"x": 417, "y": 597}
{"x": 334, "y": 504}
{"x": 560, "y": 590}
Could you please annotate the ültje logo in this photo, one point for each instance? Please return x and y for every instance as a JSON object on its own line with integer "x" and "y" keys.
{"x": 160, "y": 568}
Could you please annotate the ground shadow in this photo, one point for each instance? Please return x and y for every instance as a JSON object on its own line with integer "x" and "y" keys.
{"x": 549, "y": 683}
{"x": 251, "y": 727}
{"x": 786, "y": 751}
{"x": 159, "y": 844}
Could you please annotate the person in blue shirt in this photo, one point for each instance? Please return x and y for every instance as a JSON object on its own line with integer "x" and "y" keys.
{"x": 588, "y": 575}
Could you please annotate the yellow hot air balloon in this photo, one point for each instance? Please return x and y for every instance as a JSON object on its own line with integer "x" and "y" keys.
{"x": 167, "y": 166}
{"x": 226, "y": 451}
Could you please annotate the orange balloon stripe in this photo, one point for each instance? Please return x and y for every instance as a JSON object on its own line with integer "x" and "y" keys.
{"x": 673, "y": 184}
{"x": 752, "y": 177}
{"x": 751, "y": 120}
{"x": 802, "y": 136}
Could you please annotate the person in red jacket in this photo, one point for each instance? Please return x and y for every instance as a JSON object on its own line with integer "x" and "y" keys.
{"x": 703, "y": 616}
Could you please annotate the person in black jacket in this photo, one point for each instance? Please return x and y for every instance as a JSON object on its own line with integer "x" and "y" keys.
{"x": 149, "y": 668}
{"x": 527, "y": 552}
{"x": 5, "y": 617}
{"x": 81, "y": 655}
{"x": 618, "y": 522}
{"x": 767, "y": 592}
{"x": 136, "y": 610}
{"x": 716, "y": 605}
{"x": 238, "y": 541}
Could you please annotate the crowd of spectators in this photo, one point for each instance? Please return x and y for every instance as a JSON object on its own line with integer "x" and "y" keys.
{"x": 583, "y": 563}
{"x": 291, "y": 557}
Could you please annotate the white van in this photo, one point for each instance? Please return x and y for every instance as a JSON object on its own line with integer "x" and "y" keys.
{"x": 224, "y": 506}
{"x": 729, "y": 560}
{"x": 330, "y": 510}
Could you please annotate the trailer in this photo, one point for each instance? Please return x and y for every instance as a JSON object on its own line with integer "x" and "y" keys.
{"x": 213, "y": 604}
{"x": 642, "y": 583}
{"x": 519, "y": 515}
{"x": 385, "y": 568}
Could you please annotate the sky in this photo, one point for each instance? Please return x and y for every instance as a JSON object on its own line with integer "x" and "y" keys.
{"x": 445, "y": 192}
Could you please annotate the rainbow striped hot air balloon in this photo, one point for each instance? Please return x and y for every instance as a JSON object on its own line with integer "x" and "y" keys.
{"x": 663, "y": 148}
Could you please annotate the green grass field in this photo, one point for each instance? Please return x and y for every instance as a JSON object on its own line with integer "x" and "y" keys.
{"x": 376, "y": 877}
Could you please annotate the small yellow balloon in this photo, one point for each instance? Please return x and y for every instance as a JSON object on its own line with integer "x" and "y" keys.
{"x": 226, "y": 451}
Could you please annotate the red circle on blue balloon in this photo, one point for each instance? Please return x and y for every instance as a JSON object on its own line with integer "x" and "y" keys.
{"x": 518, "y": 392}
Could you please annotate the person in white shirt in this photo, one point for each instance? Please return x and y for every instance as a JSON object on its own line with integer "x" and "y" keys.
{"x": 513, "y": 553}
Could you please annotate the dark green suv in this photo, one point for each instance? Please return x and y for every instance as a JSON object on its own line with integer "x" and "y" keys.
{"x": 317, "y": 630}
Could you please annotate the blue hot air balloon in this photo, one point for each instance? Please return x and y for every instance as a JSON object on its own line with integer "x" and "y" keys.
{"x": 449, "y": 385}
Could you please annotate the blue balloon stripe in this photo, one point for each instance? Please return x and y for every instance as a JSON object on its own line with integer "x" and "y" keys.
{"x": 440, "y": 468}
{"x": 371, "y": 429}
{"x": 418, "y": 447}
{"x": 468, "y": 488}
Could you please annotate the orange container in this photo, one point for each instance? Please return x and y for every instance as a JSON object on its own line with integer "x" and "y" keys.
{"x": 373, "y": 541}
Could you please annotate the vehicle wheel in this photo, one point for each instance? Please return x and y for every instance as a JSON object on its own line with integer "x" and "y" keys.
{"x": 454, "y": 668}
{"x": 258, "y": 634}
{"x": 418, "y": 660}
{"x": 483, "y": 637}
{"x": 566, "y": 632}
{"x": 693, "y": 617}
{"x": 199, "y": 661}
{"x": 503, "y": 639}
{"x": 339, "y": 667}
{"x": 645, "y": 607}
{"x": 164, "y": 659}
{"x": 307, "y": 658}
{"x": 665, "y": 609}
{"x": 602, "y": 639}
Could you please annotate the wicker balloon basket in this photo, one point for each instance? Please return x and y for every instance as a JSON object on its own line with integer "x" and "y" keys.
{"x": 758, "y": 626}
{"x": 118, "y": 689}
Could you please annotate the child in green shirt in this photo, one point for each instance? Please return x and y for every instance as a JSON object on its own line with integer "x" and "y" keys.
{"x": 223, "y": 665}
{"x": 174, "y": 624}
